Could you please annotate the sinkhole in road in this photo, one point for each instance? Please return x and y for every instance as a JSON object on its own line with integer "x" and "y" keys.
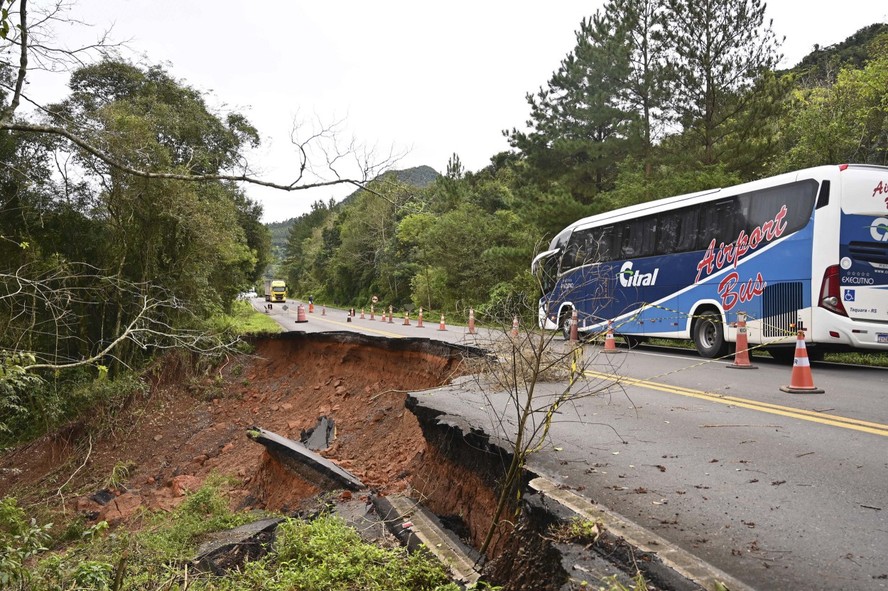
{"x": 384, "y": 438}
{"x": 194, "y": 419}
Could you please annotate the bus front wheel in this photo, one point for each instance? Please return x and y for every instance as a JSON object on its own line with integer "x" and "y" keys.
{"x": 632, "y": 340}
{"x": 565, "y": 321}
{"x": 709, "y": 335}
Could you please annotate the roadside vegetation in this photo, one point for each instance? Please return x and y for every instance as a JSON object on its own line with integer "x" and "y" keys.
{"x": 850, "y": 358}
{"x": 245, "y": 319}
{"x": 317, "y": 554}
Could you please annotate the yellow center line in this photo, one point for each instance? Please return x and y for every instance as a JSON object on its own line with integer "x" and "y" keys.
{"x": 352, "y": 325}
{"x": 776, "y": 409}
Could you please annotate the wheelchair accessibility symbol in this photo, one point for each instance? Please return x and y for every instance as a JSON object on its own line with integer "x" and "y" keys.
{"x": 849, "y": 295}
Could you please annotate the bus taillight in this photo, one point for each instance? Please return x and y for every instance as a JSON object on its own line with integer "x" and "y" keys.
{"x": 830, "y": 293}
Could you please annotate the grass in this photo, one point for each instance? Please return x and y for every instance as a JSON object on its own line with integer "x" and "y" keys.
{"x": 244, "y": 319}
{"x": 576, "y": 530}
{"x": 320, "y": 554}
{"x": 873, "y": 359}
{"x": 870, "y": 359}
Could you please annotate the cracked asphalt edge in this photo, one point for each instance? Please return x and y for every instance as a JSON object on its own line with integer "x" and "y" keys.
{"x": 679, "y": 560}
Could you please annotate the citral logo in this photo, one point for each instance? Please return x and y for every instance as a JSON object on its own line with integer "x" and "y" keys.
{"x": 879, "y": 229}
{"x": 631, "y": 278}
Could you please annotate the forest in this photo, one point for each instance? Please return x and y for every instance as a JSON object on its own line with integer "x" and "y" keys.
{"x": 126, "y": 229}
{"x": 638, "y": 110}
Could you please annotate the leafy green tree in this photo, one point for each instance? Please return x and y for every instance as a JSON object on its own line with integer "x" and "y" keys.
{"x": 821, "y": 66}
{"x": 97, "y": 228}
{"x": 633, "y": 186}
{"x": 296, "y": 262}
{"x": 846, "y": 121}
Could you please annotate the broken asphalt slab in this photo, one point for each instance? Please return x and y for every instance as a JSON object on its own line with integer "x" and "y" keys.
{"x": 304, "y": 462}
{"x": 415, "y": 526}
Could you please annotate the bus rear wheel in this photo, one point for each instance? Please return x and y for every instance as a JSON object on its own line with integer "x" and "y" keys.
{"x": 709, "y": 335}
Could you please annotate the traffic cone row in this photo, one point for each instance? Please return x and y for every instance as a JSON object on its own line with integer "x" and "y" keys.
{"x": 801, "y": 381}
{"x": 389, "y": 317}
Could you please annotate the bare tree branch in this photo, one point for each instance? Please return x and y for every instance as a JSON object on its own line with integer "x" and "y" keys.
{"x": 51, "y": 305}
{"x": 322, "y": 141}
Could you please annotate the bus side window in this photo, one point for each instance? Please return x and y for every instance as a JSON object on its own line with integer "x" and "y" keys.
{"x": 648, "y": 228}
{"x": 632, "y": 240}
{"x": 797, "y": 197}
{"x": 668, "y": 232}
{"x": 719, "y": 221}
{"x": 580, "y": 250}
{"x": 687, "y": 229}
{"x": 607, "y": 250}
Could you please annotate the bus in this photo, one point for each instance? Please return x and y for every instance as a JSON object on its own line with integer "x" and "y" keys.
{"x": 803, "y": 251}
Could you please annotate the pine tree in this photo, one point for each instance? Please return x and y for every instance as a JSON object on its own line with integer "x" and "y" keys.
{"x": 720, "y": 51}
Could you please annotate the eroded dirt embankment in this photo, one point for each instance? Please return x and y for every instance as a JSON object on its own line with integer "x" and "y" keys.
{"x": 190, "y": 423}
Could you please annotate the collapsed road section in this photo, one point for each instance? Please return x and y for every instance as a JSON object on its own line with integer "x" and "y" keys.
{"x": 424, "y": 455}
{"x": 435, "y": 469}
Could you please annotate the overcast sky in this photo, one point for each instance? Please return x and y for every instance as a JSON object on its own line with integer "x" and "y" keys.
{"x": 430, "y": 79}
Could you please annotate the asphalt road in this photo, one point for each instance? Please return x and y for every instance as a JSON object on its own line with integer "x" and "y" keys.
{"x": 782, "y": 491}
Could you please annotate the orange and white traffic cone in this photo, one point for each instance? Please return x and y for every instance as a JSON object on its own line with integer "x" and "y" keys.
{"x": 362, "y": 314}
{"x": 419, "y": 319}
{"x": 323, "y": 310}
{"x": 311, "y": 308}
{"x": 741, "y": 352}
{"x": 391, "y": 319}
{"x": 574, "y": 330}
{"x": 406, "y": 318}
{"x": 515, "y": 326}
{"x": 382, "y": 318}
{"x": 610, "y": 346}
{"x": 371, "y": 312}
{"x": 442, "y": 326}
{"x": 801, "y": 381}
{"x": 300, "y": 314}
{"x": 471, "y": 321}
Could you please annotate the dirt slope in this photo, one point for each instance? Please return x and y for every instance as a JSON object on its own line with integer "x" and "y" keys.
{"x": 188, "y": 426}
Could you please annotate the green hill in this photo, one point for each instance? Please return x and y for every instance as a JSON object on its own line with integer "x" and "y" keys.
{"x": 824, "y": 62}
{"x": 418, "y": 176}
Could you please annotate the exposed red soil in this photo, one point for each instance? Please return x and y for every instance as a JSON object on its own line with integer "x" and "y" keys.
{"x": 188, "y": 426}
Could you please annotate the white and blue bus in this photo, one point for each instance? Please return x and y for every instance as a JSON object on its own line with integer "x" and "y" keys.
{"x": 803, "y": 250}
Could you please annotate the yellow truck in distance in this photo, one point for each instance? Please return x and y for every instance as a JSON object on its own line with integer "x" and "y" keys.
{"x": 275, "y": 291}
